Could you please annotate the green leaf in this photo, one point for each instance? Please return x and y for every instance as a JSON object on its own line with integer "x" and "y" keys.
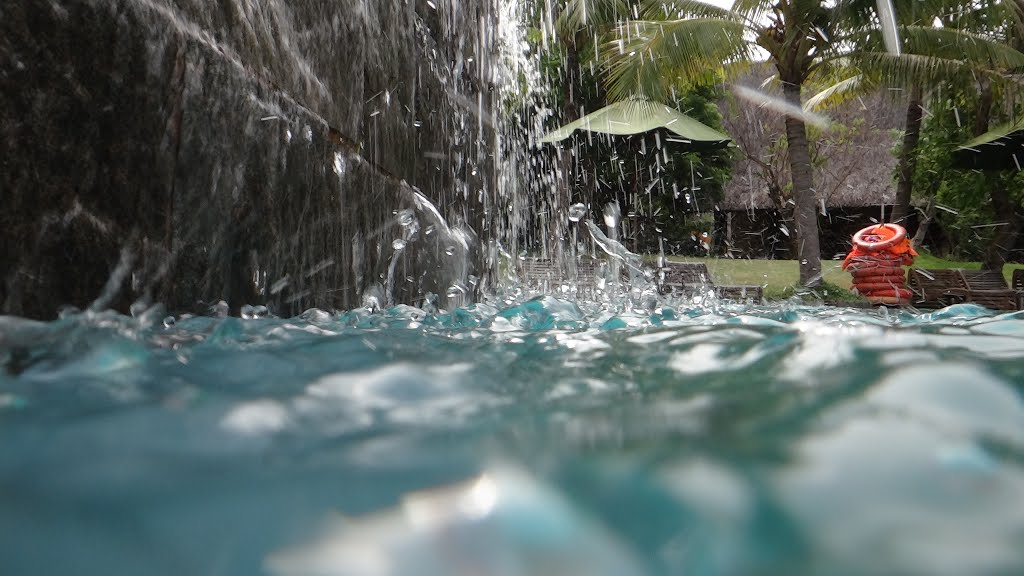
{"x": 636, "y": 116}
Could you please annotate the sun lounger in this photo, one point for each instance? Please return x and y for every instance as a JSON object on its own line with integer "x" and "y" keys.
{"x": 545, "y": 273}
{"x": 694, "y": 276}
{"x": 988, "y": 288}
{"x": 937, "y": 288}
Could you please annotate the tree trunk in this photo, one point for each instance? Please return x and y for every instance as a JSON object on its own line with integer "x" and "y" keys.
{"x": 1002, "y": 205}
{"x": 926, "y": 220}
{"x": 984, "y": 112}
{"x": 908, "y": 155}
{"x": 1006, "y": 235}
{"x": 806, "y": 210}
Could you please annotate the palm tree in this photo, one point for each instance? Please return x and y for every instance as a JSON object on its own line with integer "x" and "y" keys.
{"x": 968, "y": 47}
{"x": 802, "y": 39}
{"x": 977, "y": 45}
{"x": 682, "y": 40}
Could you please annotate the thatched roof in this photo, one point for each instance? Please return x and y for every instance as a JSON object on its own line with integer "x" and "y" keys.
{"x": 852, "y": 153}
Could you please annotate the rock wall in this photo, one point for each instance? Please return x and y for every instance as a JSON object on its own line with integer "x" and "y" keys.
{"x": 188, "y": 151}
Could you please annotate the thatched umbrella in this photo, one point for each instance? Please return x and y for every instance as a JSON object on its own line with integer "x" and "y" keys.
{"x": 636, "y": 116}
{"x": 1001, "y": 148}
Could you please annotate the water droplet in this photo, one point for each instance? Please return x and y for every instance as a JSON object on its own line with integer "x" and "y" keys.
{"x": 406, "y": 218}
{"x": 449, "y": 250}
{"x": 429, "y": 303}
{"x": 279, "y": 285}
{"x": 612, "y": 214}
{"x": 398, "y": 244}
{"x": 219, "y": 310}
{"x": 577, "y": 211}
{"x": 137, "y": 308}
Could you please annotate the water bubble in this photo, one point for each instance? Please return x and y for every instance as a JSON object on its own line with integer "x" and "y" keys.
{"x": 398, "y": 244}
{"x": 315, "y": 315}
{"x": 371, "y": 302}
{"x": 612, "y": 215}
{"x": 169, "y": 321}
{"x": 219, "y": 310}
{"x": 137, "y": 308}
{"x": 247, "y": 312}
{"x": 430, "y": 303}
{"x": 260, "y": 311}
{"x": 803, "y": 262}
{"x": 449, "y": 250}
{"x": 456, "y": 289}
{"x": 406, "y": 218}
{"x": 577, "y": 211}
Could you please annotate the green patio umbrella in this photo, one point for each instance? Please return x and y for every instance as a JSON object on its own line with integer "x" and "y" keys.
{"x": 637, "y": 116}
{"x": 1001, "y": 148}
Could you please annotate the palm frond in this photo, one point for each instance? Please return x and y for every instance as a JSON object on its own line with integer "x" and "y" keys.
{"x": 661, "y": 10}
{"x": 836, "y": 93}
{"x": 974, "y": 49}
{"x": 753, "y": 11}
{"x": 647, "y": 57}
{"x": 582, "y": 14}
{"x": 909, "y": 69}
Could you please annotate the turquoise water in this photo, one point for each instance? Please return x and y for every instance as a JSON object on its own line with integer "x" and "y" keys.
{"x": 547, "y": 437}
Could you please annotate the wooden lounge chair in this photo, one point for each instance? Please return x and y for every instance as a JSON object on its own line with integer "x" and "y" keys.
{"x": 544, "y": 273}
{"x": 937, "y": 288}
{"x": 1017, "y": 284}
{"x": 694, "y": 276}
{"x": 988, "y": 288}
{"x": 539, "y": 271}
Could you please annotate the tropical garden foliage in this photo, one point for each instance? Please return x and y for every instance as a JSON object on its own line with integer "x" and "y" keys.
{"x": 944, "y": 55}
{"x": 664, "y": 188}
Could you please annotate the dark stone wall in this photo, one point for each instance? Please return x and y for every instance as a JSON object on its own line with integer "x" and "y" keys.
{"x": 187, "y": 151}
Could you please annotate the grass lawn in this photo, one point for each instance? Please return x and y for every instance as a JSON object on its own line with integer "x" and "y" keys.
{"x": 780, "y": 276}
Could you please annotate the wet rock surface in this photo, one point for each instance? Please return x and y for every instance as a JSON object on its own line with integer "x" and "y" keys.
{"x": 186, "y": 151}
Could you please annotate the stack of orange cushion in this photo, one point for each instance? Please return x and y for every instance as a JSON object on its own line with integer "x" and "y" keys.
{"x": 876, "y": 263}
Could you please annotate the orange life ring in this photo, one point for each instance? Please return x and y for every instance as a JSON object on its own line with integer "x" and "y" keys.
{"x": 861, "y": 238}
{"x": 887, "y": 271}
{"x": 881, "y": 258}
{"x": 897, "y": 281}
{"x": 878, "y": 287}
{"x": 889, "y": 293}
{"x": 888, "y": 300}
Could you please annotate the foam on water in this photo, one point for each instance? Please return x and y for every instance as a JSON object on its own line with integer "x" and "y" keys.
{"x": 538, "y": 436}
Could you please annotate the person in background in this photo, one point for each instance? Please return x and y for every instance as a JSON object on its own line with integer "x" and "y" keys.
{"x": 705, "y": 243}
